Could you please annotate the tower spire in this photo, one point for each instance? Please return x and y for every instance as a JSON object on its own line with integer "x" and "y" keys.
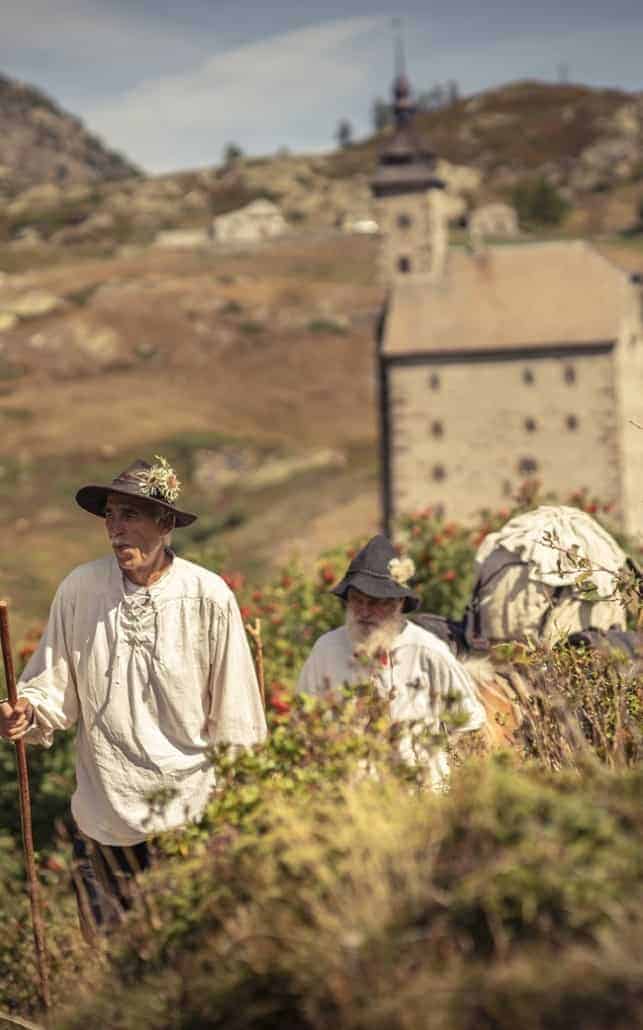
{"x": 403, "y": 106}
{"x": 400, "y": 55}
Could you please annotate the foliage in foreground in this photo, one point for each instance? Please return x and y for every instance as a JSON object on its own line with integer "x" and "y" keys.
{"x": 510, "y": 902}
{"x": 325, "y": 886}
{"x": 324, "y": 871}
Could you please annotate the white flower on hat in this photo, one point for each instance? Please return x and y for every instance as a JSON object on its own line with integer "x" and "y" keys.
{"x": 160, "y": 481}
{"x": 401, "y": 570}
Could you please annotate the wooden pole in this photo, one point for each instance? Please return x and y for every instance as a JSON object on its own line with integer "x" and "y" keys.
{"x": 255, "y": 633}
{"x": 33, "y": 885}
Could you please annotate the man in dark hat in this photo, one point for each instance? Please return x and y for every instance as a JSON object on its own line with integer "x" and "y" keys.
{"x": 146, "y": 654}
{"x": 413, "y": 667}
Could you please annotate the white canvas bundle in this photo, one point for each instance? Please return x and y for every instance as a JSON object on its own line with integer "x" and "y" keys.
{"x": 527, "y": 577}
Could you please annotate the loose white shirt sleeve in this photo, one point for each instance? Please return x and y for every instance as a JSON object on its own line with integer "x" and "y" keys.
{"x": 152, "y": 678}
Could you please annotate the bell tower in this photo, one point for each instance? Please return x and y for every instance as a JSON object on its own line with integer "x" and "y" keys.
{"x": 406, "y": 192}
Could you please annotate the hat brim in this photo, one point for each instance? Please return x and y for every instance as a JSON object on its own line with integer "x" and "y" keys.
{"x": 376, "y": 586}
{"x": 93, "y": 499}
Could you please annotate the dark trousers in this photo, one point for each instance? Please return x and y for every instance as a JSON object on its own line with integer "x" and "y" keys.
{"x": 104, "y": 881}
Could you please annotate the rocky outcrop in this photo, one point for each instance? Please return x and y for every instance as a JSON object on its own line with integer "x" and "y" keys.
{"x": 587, "y": 143}
{"x": 41, "y": 143}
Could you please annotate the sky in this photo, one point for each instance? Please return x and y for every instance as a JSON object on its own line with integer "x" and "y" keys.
{"x": 169, "y": 84}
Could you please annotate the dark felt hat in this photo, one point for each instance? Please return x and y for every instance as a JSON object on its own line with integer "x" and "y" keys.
{"x": 371, "y": 572}
{"x": 156, "y": 483}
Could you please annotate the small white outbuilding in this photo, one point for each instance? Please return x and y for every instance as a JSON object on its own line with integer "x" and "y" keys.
{"x": 259, "y": 220}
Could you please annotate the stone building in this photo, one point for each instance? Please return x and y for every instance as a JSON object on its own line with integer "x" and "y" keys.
{"x": 407, "y": 197}
{"x": 520, "y": 361}
{"x": 259, "y": 220}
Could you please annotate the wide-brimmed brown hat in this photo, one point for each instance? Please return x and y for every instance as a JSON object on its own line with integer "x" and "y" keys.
{"x": 377, "y": 571}
{"x": 156, "y": 483}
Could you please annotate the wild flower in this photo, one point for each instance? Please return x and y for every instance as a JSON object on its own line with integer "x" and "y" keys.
{"x": 160, "y": 481}
{"x": 401, "y": 569}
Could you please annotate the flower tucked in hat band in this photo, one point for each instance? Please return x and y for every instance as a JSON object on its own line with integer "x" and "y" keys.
{"x": 401, "y": 570}
{"x": 160, "y": 481}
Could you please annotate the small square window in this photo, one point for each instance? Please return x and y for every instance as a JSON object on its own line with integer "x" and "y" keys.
{"x": 403, "y": 221}
{"x": 527, "y": 466}
{"x": 434, "y": 381}
{"x": 404, "y": 264}
{"x": 571, "y": 422}
{"x": 530, "y": 425}
{"x": 438, "y": 473}
{"x": 527, "y": 376}
{"x": 437, "y": 429}
{"x": 570, "y": 374}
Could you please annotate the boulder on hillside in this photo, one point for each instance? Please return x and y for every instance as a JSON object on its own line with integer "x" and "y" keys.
{"x": 34, "y": 304}
{"x": 182, "y": 239}
{"x": 92, "y": 229}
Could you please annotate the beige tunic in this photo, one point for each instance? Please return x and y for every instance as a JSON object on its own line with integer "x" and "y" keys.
{"x": 419, "y": 675}
{"x": 151, "y": 678}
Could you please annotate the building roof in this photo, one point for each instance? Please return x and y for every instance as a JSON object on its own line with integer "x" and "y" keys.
{"x": 512, "y": 296}
{"x": 405, "y": 165}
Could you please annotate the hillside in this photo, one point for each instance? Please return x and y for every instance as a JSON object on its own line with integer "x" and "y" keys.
{"x": 250, "y": 368}
{"x": 41, "y": 143}
{"x": 252, "y": 371}
{"x": 526, "y": 128}
{"x": 587, "y": 143}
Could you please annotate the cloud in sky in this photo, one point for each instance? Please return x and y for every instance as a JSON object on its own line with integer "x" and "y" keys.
{"x": 261, "y": 95}
{"x": 169, "y": 85}
{"x": 292, "y": 88}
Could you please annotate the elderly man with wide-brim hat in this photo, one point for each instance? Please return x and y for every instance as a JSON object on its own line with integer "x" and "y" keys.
{"x": 417, "y": 671}
{"x": 146, "y": 654}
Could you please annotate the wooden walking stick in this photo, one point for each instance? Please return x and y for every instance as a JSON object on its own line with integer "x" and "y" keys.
{"x": 255, "y": 633}
{"x": 25, "y": 816}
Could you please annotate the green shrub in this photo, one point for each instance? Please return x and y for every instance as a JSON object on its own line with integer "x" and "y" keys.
{"x": 538, "y": 203}
{"x": 325, "y": 886}
{"x": 251, "y": 327}
{"x": 370, "y": 905}
{"x": 327, "y": 325}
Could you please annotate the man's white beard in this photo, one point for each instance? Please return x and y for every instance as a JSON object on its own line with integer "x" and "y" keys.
{"x": 369, "y": 643}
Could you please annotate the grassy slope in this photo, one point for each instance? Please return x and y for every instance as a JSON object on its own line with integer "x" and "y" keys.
{"x": 496, "y": 141}
{"x": 280, "y": 389}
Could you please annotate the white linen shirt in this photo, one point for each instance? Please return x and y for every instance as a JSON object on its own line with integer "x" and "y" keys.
{"x": 419, "y": 675}
{"x": 152, "y": 678}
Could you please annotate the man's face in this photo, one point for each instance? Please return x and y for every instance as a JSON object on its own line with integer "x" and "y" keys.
{"x": 369, "y": 613}
{"x": 137, "y": 539}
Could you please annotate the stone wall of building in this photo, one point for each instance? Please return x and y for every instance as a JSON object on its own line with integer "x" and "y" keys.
{"x": 405, "y": 228}
{"x": 465, "y": 434}
{"x": 629, "y": 381}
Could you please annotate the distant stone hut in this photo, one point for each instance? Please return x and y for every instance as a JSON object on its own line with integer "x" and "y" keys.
{"x": 524, "y": 360}
{"x": 259, "y": 220}
{"x": 497, "y": 220}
